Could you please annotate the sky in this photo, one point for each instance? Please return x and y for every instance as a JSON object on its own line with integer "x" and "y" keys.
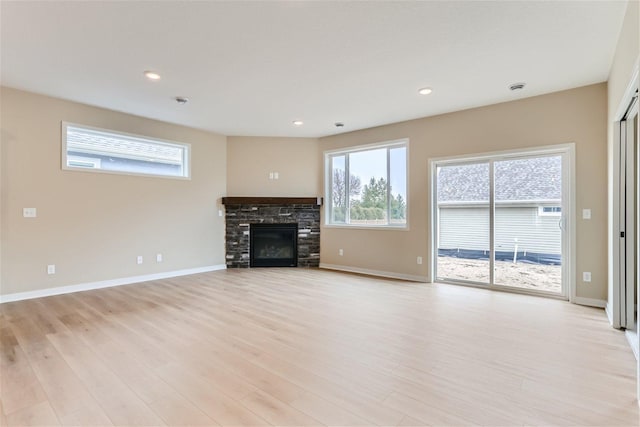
{"x": 373, "y": 163}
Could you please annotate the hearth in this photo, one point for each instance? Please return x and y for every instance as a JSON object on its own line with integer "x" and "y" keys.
{"x": 273, "y": 245}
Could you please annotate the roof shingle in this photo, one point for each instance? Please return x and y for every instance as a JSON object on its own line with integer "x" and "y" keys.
{"x": 532, "y": 179}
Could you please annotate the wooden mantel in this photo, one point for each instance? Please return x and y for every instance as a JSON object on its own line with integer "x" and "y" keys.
{"x": 272, "y": 200}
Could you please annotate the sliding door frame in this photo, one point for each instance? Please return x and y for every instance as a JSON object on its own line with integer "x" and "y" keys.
{"x": 618, "y": 292}
{"x": 567, "y": 151}
{"x": 618, "y": 276}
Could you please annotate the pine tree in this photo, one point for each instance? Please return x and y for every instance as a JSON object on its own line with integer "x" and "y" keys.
{"x": 374, "y": 194}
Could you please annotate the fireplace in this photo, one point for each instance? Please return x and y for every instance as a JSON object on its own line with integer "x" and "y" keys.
{"x": 244, "y": 215}
{"x": 273, "y": 245}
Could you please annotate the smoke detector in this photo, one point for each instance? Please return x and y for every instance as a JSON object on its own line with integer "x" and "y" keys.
{"x": 517, "y": 86}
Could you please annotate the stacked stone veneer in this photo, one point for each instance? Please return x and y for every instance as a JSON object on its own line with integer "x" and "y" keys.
{"x": 240, "y": 217}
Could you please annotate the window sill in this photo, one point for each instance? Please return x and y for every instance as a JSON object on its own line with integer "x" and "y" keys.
{"x": 367, "y": 227}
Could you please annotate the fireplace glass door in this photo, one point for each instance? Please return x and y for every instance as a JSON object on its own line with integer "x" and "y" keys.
{"x": 273, "y": 245}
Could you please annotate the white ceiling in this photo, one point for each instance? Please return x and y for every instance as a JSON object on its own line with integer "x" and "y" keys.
{"x": 251, "y": 68}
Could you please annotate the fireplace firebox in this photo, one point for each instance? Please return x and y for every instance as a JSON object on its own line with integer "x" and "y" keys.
{"x": 273, "y": 245}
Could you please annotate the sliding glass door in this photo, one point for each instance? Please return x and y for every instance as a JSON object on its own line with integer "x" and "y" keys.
{"x": 501, "y": 220}
{"x": 528, "y": 223}
{"x": 463, "y": 194}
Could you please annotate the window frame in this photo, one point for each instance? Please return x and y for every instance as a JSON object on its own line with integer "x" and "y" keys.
{"x": 328, "y": 179}
{"x": 186, "y": 152}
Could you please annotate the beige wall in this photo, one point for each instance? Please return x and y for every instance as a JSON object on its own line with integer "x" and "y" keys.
{"x": 625, "y": 62}
{"x": 251, "y": 159}
{"x": 626, "y": 56}
{"x": 92, "y": 226}
{"x": 577, "y": 116}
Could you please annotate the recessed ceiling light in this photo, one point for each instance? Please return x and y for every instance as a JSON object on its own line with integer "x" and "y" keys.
{"x": 298, "y": 122}
{"x": 425, "y": 91}
{"x": 517, "y": 86}
{"x": 152, "y": 75}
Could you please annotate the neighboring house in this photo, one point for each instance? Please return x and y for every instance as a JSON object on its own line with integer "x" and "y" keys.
{"x": 528, "y": 210}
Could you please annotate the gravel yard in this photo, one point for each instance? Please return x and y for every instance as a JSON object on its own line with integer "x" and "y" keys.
{"x": 521, "y": 275}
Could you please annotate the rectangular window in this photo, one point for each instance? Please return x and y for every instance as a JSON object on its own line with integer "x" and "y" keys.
{"x": 367, "y": 186}
{"x": 549, "y": 210}
{"x": 100, "y": 150}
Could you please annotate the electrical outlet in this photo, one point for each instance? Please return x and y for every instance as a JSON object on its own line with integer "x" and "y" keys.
{"x": 140, "y": 259}
{"x": 158, "y": 257}
{"x": 51, "y": 269}
{"x": 340, "y": 252}
{"x": 419, "y": 260}
{"x": 276, "y": 175}
{"x": 219, "y": 212}
{"x": 586, "y": 213}
{"x": 586, "y": 276}
{"x": 29, "y": 212}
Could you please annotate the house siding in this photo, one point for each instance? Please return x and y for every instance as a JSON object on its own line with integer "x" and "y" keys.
{"x": 468, "y": 228}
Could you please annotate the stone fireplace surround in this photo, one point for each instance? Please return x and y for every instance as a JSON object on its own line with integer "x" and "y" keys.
{"x": 241, "y": 212}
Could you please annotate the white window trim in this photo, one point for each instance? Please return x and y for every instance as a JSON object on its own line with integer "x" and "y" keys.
{"x": 63, "y": 153}
{"x": 402, "y": 142}
{"x": 89, "y": 162}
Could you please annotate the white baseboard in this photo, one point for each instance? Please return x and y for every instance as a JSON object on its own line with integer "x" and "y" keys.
{"x": 19, "y": 296}
{"x": 609, "y": 311}
{"x": 591, "y": 302}
{"x": 632, "y": 338}
{"x": 379, "y": 273}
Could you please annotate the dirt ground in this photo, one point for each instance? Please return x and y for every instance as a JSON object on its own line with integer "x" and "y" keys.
{"x": 521, "y": 275}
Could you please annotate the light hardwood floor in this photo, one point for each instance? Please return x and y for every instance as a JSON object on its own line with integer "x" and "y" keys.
{"x": 310, "y": 347}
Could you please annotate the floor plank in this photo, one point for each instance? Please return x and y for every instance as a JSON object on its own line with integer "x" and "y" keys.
{"x": 39, "y": 415}
{"x": 310, "y": 347}
{"x": 19, "y": 386}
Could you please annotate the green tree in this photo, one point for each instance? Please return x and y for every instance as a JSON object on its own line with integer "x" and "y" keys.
{"x": 374, "y": 194}
{"x": 398, "y": 207}
{"x": 374, "y": 201}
